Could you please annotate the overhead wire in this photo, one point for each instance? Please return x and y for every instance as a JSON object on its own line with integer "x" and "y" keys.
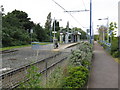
{"x": 84, "y": 5}
{"x": 68, "y": 13}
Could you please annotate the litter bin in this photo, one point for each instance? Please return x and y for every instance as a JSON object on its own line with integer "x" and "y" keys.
{"x": 35, "y": 45}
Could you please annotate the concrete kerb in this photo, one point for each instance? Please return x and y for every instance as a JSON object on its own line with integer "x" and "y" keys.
{"x": 65, "y": 46}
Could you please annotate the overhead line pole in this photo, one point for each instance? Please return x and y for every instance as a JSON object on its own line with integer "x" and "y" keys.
{"x": 91, "y": 21}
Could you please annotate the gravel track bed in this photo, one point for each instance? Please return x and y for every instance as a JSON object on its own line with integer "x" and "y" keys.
{"x": 17, "y": 60}
{"x": 23, "y": 57}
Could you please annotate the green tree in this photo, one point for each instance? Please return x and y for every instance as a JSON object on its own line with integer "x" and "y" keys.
{"x": 83, "y": 33}
{"x": 15, "y": 26}
{"x": 57, "y": 28}
{"x": 114, "y": 40}
{"x": 96, "y": 37}
{"x": 41, "y": 34}
{"x": 48, "y": 22}
{"x": 102, "y": 31}
{"x": 48, "y": 26}
{"x": 112, "y": 28}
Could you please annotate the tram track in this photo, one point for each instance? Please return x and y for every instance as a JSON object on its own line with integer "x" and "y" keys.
{"x": 12, "y": 78}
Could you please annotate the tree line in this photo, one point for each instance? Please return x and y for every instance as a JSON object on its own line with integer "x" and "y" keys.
{"x": 16, "y": 29}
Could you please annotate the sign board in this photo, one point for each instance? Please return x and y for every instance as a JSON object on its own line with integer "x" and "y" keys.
{"x": 35, "y": 46}
{"x": 54, "y": 32}
{"x": 88, "y": 30}
{"x": 31, "y": 31}
{"x": 79, "y": 33}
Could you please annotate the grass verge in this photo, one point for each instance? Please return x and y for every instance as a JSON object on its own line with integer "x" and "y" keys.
{"x": 117, "y": 60}
{"x": 13, "y": 47}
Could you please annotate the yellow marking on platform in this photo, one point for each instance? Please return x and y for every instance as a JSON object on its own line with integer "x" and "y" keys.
{"x": 63, "y": 47}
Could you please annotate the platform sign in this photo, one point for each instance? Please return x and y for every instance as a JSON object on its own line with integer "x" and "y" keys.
{"x": 35, "y": 46}
{"x": 54, "y": 32}
{"x": 88, "y": 30}
{"x": 31, "y": 31}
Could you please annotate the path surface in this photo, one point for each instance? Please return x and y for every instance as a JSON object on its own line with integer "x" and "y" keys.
{"x": 104, "y": 72}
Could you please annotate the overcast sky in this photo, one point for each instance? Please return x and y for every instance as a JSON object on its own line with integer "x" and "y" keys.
{"x": 38, "y": 10}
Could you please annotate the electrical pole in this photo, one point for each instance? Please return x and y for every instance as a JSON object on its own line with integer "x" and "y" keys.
{"x": 91, "y": 21}
{"x": 54, "y": 27}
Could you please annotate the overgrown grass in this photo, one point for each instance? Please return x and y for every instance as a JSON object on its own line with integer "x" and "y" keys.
{"x": 56, "y": 78}
{"x": 13, "y": 47}
{"x": 117, "y": 60}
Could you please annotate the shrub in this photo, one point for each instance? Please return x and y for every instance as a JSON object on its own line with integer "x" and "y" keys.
{"x": 85, "y": 46}
{"x": 114, "y": 47}
{"x": 77, "y": 57}
{"x": 82, "y": 54}
{"x": 34, "y": 78}
{"x": 116, "y": 54}
{"x": 113, "y": 50}
{"x": 86, "y": 63}
{"x": 77, "y": 77}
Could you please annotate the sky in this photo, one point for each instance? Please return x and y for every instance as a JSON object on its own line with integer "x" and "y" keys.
{"x": 38, "y": 10}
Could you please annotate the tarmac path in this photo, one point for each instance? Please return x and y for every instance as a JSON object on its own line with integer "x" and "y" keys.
{"x": 104, "y": 71}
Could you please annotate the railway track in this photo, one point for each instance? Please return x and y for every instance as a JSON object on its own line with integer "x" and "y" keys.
{"x": 7, "y": 51}
{"x": 13, "y": 78}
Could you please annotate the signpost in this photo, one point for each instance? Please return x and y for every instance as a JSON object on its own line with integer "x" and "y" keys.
{"x": 36, "y": 46}
{"x": 31, "y": 31}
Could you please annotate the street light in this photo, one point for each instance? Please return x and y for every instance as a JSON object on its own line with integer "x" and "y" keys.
{"x": 55, "y": 31}
{"x": 107, "y": 27}
{"x": 54, "y": 26}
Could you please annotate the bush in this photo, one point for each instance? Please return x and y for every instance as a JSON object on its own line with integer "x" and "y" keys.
{"x": 116, "y": 54}
{"x": 114, "y": 47}
{"x": 34, "y": 78}
{"x": 77, "y": 77}
{"x": 113, "y": 50}
{"x": 85, "y": 46}
{"x": 86, "y": 63}
{"x": 77, "y": 56}
{"x": 82, "y": 54}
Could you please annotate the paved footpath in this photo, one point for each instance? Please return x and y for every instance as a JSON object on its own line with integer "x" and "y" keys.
{"x": 104, "y": 71}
